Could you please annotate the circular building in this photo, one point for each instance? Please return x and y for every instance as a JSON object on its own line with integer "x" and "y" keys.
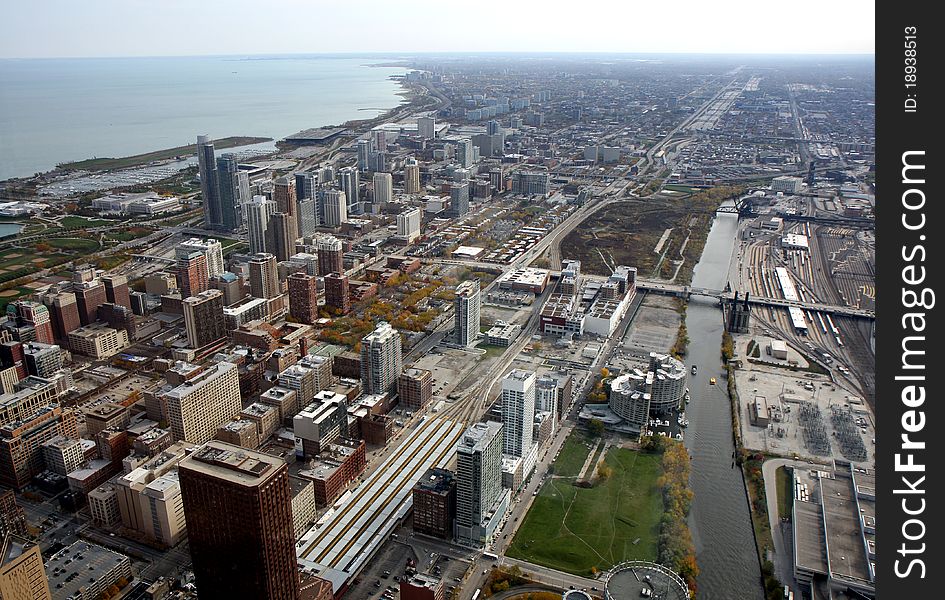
{"x": 643, "y": 579}
{"x": 576, "y": 595}
{"x": 630, "y": 397}
{"x": 668, "y": 384}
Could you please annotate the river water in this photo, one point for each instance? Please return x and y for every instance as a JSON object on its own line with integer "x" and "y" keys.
{"x": 720, "y": 520}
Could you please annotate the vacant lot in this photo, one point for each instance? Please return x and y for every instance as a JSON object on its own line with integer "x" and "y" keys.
{"x": 628, "y": 233}
{"x": 580, "y": 530}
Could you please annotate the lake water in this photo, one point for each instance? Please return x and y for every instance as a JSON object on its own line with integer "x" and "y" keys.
{"x": 59, "y": 110}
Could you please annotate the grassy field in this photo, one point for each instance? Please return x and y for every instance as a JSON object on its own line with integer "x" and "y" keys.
{"x": 102, "y": 164}
{"x": 578, "y": 530}
{"x": 78, "y": 244}
{"x": 82, "y": 222}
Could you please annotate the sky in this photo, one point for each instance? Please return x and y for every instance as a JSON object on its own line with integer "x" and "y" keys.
{"x": 93, "y": 28}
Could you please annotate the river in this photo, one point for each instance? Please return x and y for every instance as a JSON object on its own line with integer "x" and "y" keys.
{"x": 720, "y": 520}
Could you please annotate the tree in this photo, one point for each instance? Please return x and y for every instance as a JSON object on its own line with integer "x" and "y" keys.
{"x": 595, "y": 427}
{"x": 604, "y": 373}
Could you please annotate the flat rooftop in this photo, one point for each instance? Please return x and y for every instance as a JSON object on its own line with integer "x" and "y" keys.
{"x": 232, "y": 463}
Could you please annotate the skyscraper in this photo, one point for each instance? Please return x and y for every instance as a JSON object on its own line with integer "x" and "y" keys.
{"x": 89, "y": 293}
{"x": 209, "y": 184}
{"x": 303, "y": 297}
{"x": 282, "y": 231}
{"x": 264, "y": 276}
{"x": 233, "y": 189}
{"x": 466, "y": 307}
{"x": 259, "y": 212}
{"x": 238, "y": 507}
{"x": 335, "y": 208}
{"x": 305, "y": 183}
{"x": 285, "y": 198}
{"x": 383, "y": 188}
{"x": 426, "y": 128}
{"x": 330, "y": 255}
{"x": 35, "y": 315}
{"x": 349, "y": 181}
{"x": 64, "y": 313}
{"x": 337, "y": 294}
{"x": 412, "y": 177}
{"x": 203, "y": 318}
{"x": 193, "y": 276}
{"x": 308, "y": 217}
{"x": 479, "y": 494}
{"x": 464, "y": 153}
{"x": 459, "y": 199}
{"x": 381, "y": 359}
{"x": 365, "y": 156}
{"x": 210, "y": 248}
{"x": 116, "y": 290}
{"x": 518, "y": 411}
{"x": 22, "y": 575}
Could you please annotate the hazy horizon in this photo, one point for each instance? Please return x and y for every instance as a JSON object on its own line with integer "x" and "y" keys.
{"x": 134, "y": 28}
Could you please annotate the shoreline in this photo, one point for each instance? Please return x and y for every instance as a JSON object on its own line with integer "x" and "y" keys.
{"x": 404, "y": 96}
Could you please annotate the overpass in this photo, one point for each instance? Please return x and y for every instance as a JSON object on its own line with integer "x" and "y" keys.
{"x": 685, "y": 291}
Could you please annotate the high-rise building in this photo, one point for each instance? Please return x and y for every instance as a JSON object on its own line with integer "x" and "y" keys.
{"x": 408, "y": 224}
{"x": 337, "y": 292}
{"x": 209, "y": 184}
{"x": 64, "y": 313}
{"x": 282, "y": 229}
{"x": 116, "y": 290}
{"x": 22, "y": 574}
{"x": 259, "y": 212}
{"x": 349, "y": 181}
{"x": 284, "y": 195}
{"x": 233, "y": 186}
{"x": 330, "y": 255}
{"x": 21, "y": 452}
{"x": 518, "y": 412}
{"x": 497, "y": 179}
{"x": 335, "y": 205}
{"x": 459, "y": 199}
{"x": 303, "y": 297}
{"x": 35, "y": 315}
{"x": 466, "y": 307}
{"x": 212, "y": 249}
{"x": 308, "y": 216}
{"x": 464, "y": 153}
{"x": 89, "y": 293}
{"x": 365, "y": 156}
{"x": 426, "y": 128}
{"x": 383, "y": 188}
{"x": 412, "y": 177}
{"x": 203, "y": 318}
{"x": 238, "y": 507}
{"x": 415, "y": 388}
{"x": 434, "y": 504}
{"x": 305, "y": 183}
{"x": 381, "y": 359}
{"x": 197, "y": 407}
{"x": 42, "y": 360}
{"x": 479, "y": 494}
{"x": 264, "y": 276}
{"x": 193, "y": 276}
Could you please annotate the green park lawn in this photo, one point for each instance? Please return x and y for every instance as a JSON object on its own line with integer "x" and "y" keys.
{"x": 577, "y": 530}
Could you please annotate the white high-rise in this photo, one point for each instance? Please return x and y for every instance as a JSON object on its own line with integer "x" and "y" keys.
{"x": 408, "y": 224}
{"x": 381, "y": 359}
{"x": 518, "y": 412}
{"x": 466, "y": 307}
{"x": 196, "y": 408}
{"x": 258, "y": 212}
{"x": 383, "y": 188}
{"x": 336, "y": 208}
